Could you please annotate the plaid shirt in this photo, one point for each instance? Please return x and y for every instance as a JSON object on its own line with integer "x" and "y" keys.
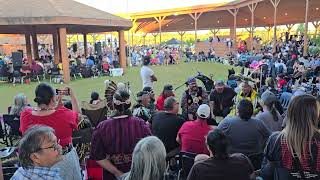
{"x": 37, "y": 173}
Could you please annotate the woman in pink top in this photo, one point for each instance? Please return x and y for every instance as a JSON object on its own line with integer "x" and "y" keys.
{"x": 61, "y": 119}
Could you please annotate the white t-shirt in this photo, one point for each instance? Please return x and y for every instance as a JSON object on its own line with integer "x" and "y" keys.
{"x": 146, "y": 74}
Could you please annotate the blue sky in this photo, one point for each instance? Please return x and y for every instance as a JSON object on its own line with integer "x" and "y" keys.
{"x": 130, "y": 6}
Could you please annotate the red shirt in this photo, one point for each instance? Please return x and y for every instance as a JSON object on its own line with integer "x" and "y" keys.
{"x": 281, "y": 83}
{"x": 63, "y": 121}
{"x": 193, "y": 136}
{"x": 160, "y": 103}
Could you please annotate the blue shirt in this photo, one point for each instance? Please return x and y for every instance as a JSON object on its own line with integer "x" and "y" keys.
{"x": 37, "y": 173}
{"x": 89, "y": 62}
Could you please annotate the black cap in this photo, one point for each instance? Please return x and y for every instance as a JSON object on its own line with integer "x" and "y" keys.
{"x": 168, "y": 87}
{"x": 148, "y": 89}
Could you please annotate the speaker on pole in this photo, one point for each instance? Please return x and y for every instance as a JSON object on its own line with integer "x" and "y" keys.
{"x": 17, "y": 59}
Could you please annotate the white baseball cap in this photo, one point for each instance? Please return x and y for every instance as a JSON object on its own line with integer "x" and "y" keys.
{"x": 203, "y": 111}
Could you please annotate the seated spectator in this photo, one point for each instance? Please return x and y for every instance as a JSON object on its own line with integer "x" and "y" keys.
{"x": 247, "y": 92}
{"x": 114, "y": 139}
{"x": 148, "y": 160}
{"x": 270, "y": 115}
{"x": 220, "y": 164}
{"x": 62, "y": 120}
{"x": 95, "y": 99}
{"x": 151, "y": 105}
{"x": 192, "y": 134}
{"x": 166, "y": 124}
{"x": 20, "y": 104}
{"x": 247, "y": 135}
{"x": 39, "y": 151}
{"x": 281, "y": 82}
{"x": 140, "y": 110}
{"x": 294, "y": 152}
{"x": 167, "y": 92}
{"x": 90, "y": 61}
{"x": 221, "y": 99}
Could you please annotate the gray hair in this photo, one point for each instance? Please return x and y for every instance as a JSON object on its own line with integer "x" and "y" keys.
{"x": 148, "y": 160}
{"x": 168, "y": 103}
{"x": 31, "y": 142}
{"x": 20, "y": 102}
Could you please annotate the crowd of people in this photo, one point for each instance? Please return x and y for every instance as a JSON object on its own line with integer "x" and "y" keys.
{"x": 243, "y": 128}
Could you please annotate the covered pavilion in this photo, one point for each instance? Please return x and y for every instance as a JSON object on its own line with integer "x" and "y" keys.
{"x": 247, "y": 14}
{"x": 59, "y": 18}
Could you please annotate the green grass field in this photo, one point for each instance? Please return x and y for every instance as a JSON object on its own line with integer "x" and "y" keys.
{"x": 173, "y": 74}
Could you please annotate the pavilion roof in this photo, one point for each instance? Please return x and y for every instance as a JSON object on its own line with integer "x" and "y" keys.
{"x": 218, "y": 16}
{"x": 16, "y": 16}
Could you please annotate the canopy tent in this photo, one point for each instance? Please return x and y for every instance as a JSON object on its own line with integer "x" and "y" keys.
{"x": 173, "y": 41}
{"x": 58, "y": 17}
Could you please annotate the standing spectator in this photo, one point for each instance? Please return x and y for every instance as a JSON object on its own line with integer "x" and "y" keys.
{"x": 270, "y": 115}
{"x": 39, "y": 150}
{"x": 148, "y": 160}
{"x": 147, "y": 74}
{"x": 192, "y": 134}
{"x": 167, "y": 92}
{"x": 221, "y": 164}
{"x": 59, "y": 118}
{"x": 192, "y": 98}
{"x": 166, "y": 124}
{"x": 256, "y": 133}
{"x": 294, "y": 152}
{"x": 20, "y": 104}
{"x": 221, "y": 99}
{"x": 114, "y": 139}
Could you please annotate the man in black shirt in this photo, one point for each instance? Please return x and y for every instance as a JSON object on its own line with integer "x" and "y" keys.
{"x": 220, "y": 99}
{"x": 220, "y": 164}
{"x": 166, "y": 124}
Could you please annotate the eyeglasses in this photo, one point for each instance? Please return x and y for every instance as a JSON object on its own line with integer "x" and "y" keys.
{"x": 54, "y": 146}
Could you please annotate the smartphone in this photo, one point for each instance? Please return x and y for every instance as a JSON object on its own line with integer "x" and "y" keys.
{"x": 63, "y": 92}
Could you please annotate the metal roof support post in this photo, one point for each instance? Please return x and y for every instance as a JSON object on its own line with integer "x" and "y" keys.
{"x": 305, "y": 44}
{"x": 252, "y": 7}
{"x": 195, "y": 17}
{"x": 181, "y": 38}
{"x": 155, "y": 37}
{"x": 316, "y": 25}
{"x": 275, "y": 4}
{"x": 159, "y": 20}
{"x": 144, "y": 39}
{"x": 289, "y": 27}
{"x": 234, "y": 13}
{"x": 268, "y": 29}
{"x": 214, "y": 32}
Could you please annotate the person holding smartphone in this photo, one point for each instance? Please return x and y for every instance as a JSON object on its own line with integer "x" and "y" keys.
{"x": 51, "y": 112}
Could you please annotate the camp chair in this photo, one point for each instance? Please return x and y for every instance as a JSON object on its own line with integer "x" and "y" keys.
{"x": 185, "y": 162}
{"x": 12, "y": 125}
{"x": 256, "y": 160}
{"x": 95, "y": 112}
